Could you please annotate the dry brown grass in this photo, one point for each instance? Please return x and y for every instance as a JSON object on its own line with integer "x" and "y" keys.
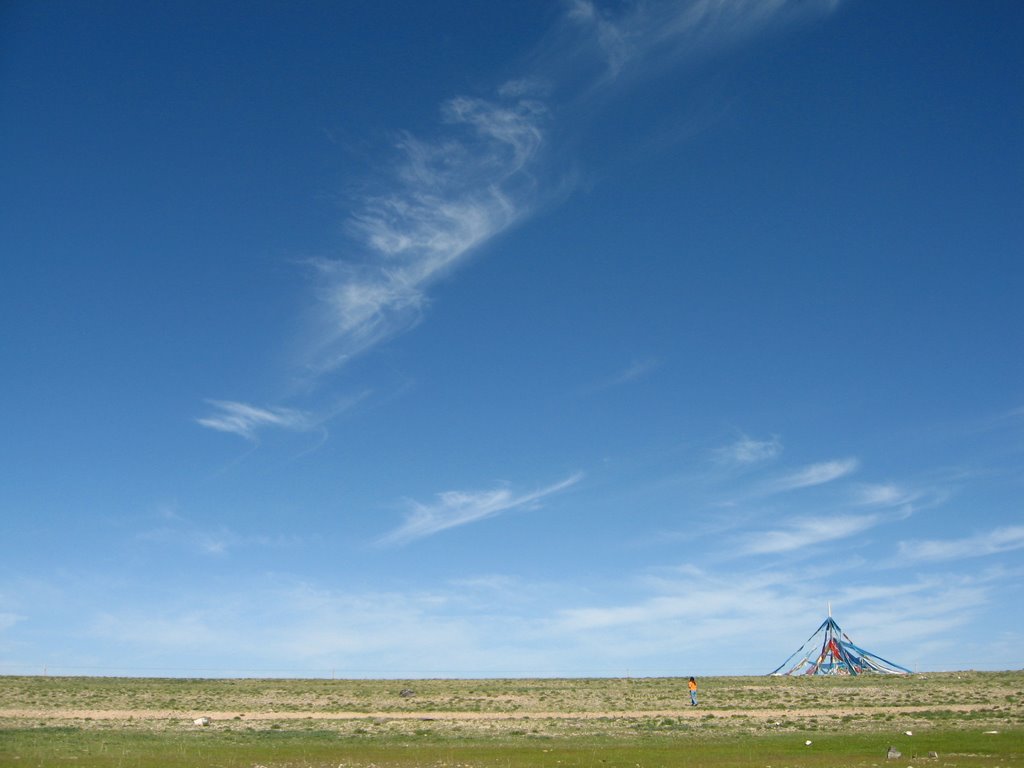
{"x": 542, "y": 706}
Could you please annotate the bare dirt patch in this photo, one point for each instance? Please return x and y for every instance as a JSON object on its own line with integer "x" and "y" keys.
{"x": 691, "y": 712}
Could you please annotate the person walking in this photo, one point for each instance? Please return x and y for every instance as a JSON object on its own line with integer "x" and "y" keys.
{"x": 692, "y": 685}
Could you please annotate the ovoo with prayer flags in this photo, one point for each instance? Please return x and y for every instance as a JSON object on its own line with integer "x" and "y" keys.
{"x": 830, "y": 651}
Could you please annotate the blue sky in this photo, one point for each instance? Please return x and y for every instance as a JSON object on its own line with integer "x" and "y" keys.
{"x": 541, "y": 338}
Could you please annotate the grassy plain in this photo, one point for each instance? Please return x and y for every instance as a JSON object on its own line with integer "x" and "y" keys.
{"x": 965, "y": 718}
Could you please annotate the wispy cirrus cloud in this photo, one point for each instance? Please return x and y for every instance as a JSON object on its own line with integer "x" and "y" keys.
{"x": 635, "y": 371}
{"x": 448, "y": 196}
{"x": 613, "y": 38}
{"x": 894, "y": 496}
{"x": 747, "y": 450}
{"x": 215, "y": 541}
{"x": 450, "y": 193}
{"x": 666, "y": 30}
{"x": 884, "y": 495}
{"x": 996, "y": 541}
{"x": 814, "y": 474}
{"x": 800, "y": 533}
{"x": 699, "y": 611}
{"x": 247, "y": 420}
{"x": 206, "y": 538}
{"x": 456, "y": 508}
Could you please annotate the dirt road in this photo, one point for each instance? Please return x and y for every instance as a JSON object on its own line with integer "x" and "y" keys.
{"x": 696, "y": 712}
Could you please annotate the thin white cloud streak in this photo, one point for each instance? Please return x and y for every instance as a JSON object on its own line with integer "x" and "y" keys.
{"x": 809, "y": 476}
{"x": 994, "y": 542}
{"x": 670, "y": 29}
{"x": 700, "y": 612}
{"x": 247, "y": 420}
{"x": 457, "y": 508}
{"x": 636, "y": 371}
{"x": 756, "y": 598}
{"x": 806, "y": 532}
{"x": 213, "y": 540}
{"x": 884, "y": 495}
{"x": 610, "y": 37}
{"x": 814, "y": 474}
{"x": 747, "y": 450}
{"x": 449, "y": 196}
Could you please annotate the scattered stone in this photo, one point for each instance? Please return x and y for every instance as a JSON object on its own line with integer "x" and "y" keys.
{"x": 808, "y": 743}
{"x": 909, "y": 733}
{"x": 201, "y": 721}
{"x": 405, "y": 693}
{"x": 893, "y": 754}
{"x": 934, "y": 755}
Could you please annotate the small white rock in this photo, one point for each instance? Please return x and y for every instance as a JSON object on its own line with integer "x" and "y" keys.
{"x": 201, "y": 721}
{"x": 808, "y": 742}
{"x": 909, "y": 733}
